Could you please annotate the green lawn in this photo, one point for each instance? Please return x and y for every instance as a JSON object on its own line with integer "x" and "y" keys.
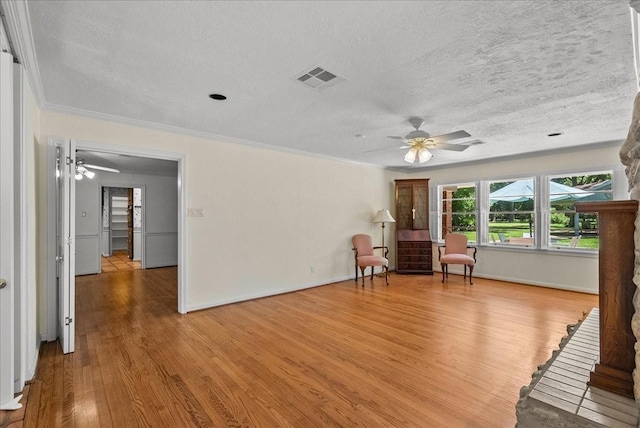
{"x": 561, "y": 235}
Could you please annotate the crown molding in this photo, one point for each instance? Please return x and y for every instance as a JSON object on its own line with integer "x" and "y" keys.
{"x": 199, "y": 134}
{"x": 19, "y": 30}
{"x": 524, "y": 156}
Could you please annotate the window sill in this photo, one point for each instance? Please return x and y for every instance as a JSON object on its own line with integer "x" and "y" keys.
{"x": 571, "y": 252}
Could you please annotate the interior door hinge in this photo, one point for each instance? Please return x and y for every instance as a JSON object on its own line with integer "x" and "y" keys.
{"x": 69, "y": 161}
{"x": 68, "y": 320}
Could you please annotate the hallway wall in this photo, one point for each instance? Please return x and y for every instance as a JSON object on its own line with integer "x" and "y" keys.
{"x": 160, "y": 233}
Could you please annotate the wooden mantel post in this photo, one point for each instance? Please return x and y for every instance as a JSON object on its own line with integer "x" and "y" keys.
{"x": 616, "y": 263}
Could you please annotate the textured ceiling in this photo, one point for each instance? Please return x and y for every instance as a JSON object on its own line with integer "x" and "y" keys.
{"x": 507, "y": 72}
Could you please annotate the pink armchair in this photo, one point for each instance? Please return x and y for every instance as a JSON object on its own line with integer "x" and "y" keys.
{"x": 455, "y": 252}
{"x": 363, "y": 247}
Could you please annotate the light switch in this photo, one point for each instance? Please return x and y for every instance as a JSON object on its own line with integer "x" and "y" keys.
{"x": 195, "y": 212}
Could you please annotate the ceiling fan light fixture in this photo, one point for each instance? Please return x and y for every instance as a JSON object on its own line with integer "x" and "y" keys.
{"x": 89, "y": 174}
{"x": 78, "y": 175}
{"x": 424, "y": 155}
{"x": 411, "y": 155}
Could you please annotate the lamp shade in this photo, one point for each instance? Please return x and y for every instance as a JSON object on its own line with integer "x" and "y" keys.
{"x": 383, "y": 216}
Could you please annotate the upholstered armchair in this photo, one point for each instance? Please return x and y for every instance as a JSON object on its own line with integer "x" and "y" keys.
{"x": 456, "y": 252}
{"x": 364, "y": 256}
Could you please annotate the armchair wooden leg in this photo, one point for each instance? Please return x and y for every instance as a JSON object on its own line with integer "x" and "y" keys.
{"x": 386, "y": 274}
{"x": 372, "y": 268}
{"x": 356, "y": 273}
{"x": 444, "y": 268}
{"x": 465, "y": 273}
{"x": 363, "y": 275}
{"x": 470, "y": 275}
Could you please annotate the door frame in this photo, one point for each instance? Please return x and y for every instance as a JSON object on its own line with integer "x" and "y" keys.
{"x": 51, "y": 294}
{"x": 143, "y": 189}
{"x": 9, "y": 236}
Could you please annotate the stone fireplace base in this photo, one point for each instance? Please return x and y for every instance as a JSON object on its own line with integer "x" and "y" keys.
{"x": 558, "y": 395}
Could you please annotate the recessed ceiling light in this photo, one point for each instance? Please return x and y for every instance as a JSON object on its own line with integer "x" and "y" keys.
{"x": 218, "y": 97}
{"x": 361, "y": 136}
{"x": 554, "y": 134}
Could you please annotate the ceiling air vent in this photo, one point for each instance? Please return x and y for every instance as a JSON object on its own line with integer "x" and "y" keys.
{"x": 318, "y": 78}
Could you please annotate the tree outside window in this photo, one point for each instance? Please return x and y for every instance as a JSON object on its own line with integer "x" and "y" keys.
{"x": 459, "y": 210}
{"x": 566, "y": 227}
{"x": 512, "y": 212}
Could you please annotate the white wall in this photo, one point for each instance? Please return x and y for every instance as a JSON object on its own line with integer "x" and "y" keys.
{"x": 552, "y": 268}
{"x": 160, "y": 218}
{"x": 270, "y": 216}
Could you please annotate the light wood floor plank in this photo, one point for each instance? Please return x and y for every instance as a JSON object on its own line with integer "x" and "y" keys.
{"x": 416, "y": 353}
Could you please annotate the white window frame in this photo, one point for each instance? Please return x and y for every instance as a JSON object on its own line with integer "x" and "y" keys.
{"x": 546, "y": 212}
{"x": 439, "y": 190}
{"x": 535, "y": 212}
{"x": 542, "y": 215}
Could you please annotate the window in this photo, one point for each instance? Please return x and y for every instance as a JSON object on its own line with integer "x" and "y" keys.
{"x": 534, "y": 212}
{"x": 459, "y": 210}
{"x": 512, "y": 212}
{"x": 568, "y": 229}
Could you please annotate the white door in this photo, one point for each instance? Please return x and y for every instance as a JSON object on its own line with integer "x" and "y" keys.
{"x": 7, "y": 236}
{"x": 66, "y": 254}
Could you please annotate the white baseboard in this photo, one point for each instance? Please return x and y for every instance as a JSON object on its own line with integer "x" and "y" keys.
{"x": 33, "y": 364}
{"x": 214, "y": 303}
{"x": 525, "y": 282}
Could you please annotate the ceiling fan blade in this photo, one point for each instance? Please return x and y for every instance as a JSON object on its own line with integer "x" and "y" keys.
{"x": 102, "y": 168}
{"x": 454, "y": 147}
{"x": 450, "y": 136}
{"x": 396, "y": 138}
{"x": 378, "y": 150}
{"x": 387, "y": 148}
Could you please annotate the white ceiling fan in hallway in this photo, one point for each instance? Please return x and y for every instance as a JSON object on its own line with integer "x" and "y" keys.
{"x": 85, "y": 170}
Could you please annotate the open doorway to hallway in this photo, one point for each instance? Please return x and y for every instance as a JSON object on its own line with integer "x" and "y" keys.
{"x": 130, "y": 205}
{"x": 122, "y": 226}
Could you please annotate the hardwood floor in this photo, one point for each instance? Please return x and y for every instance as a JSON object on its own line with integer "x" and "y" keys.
{"x": 119, "y": 260}
{"x": 414, "y": 354}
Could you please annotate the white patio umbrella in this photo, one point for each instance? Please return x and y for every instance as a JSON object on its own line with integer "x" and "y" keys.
{"x": 522, "y": 190}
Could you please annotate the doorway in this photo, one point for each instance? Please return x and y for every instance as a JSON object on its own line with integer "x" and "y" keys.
{"x": 164, "y": 245}
{"x": 122, "y": 225}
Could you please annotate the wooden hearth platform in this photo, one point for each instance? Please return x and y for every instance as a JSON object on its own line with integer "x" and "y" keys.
{"x": 559, "y": 395}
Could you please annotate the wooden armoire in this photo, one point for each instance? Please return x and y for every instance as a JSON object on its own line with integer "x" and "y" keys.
{"x": 413, "y": 240}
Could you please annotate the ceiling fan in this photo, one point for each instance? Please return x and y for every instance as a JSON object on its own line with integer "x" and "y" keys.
{"x": 418, "y": 142}
{"x": 84, "y": 170}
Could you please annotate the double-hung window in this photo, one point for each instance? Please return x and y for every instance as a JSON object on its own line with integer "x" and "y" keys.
{"x": 512, "y": 209}
{"x": 567, "y": 228}
{"x": 458, "y": 210}
{"x": 535, "y": 212}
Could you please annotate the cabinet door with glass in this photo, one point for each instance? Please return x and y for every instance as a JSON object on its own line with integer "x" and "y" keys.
{"x": 412, "y": 204}
{"x": 413, "y": 240}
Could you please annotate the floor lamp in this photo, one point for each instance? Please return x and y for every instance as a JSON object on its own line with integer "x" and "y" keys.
{"x": 383, "y": 216}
